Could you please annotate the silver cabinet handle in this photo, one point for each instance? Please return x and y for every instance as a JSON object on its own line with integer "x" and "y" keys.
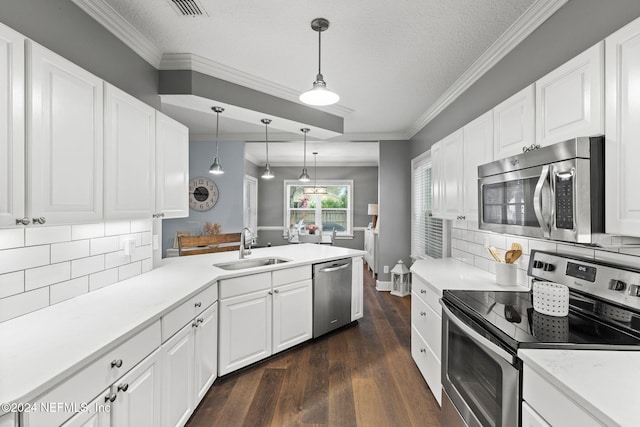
{"x": 276, "y": 291}
{"x": 198, "y": 304}
{"x": 423, "y": 314}
{"x": 111, "y": 397}
{"x": 22, "y": 221}
{"x": 199, "y": 320}
{"x": 158, "y": 215}
{"x": 116, "y": 363}
{"x": 422, "y": 291}
{"x": 123, "y": 387}
{"x": 194, "y": 324}
{"x": 423, "y": 350}
{"x": 270, "y": 292}
{"x": 39, "y": 220}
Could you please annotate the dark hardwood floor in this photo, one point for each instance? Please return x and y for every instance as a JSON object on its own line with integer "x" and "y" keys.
{"x": 362, "y": 375}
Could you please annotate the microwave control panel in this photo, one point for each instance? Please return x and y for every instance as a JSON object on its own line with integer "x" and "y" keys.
{"x": 564, "y": 201}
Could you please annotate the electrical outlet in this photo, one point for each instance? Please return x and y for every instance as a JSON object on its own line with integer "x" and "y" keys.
{"x": 386, "y": 268}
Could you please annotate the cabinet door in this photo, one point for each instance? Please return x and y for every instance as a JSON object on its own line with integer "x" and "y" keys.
{"x": 514, "y": 124}
{"x": 98, "y": 413}
{"x": 245, "y": 330}
{"x": 64, "y": 139}
{"x": 622, "y": 147}
{"x": 478, "y": 150}
{"x": 452, "y": 175}
{"x": 172, "y": 168}
{"x": 177, "y": 378}
{"x": 11, "y": 126}
{"x": 206, "y": 351}
{"x": 138, "y": 395}
{"x": 129, "y": 156}
{"x": 357, "y": 289}
{"x": 530, "y": 417}
{"x": 9, "y": 420}
{"x": 292, "y": 315}
{"x": 437, "y": 177}
{"x": 569, "y": 100}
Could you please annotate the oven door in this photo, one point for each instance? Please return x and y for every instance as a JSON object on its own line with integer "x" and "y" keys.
{"x": 481, "y": 378}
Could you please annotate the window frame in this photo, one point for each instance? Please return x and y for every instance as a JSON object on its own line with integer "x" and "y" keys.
{"x": 318, "y": 209}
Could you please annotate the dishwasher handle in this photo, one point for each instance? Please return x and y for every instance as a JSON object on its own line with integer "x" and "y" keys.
{"x": 330, "y": 269}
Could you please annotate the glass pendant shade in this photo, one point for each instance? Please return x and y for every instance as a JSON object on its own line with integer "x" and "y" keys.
{"x": 216, "y": 166}
{"x": 319, "y": 95}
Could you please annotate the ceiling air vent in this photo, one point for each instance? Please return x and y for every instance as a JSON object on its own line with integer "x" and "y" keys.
{"x": 189, "y": 7}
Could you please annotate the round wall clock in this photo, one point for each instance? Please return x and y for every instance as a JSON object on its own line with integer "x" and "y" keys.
{"x": 203, "y": 194}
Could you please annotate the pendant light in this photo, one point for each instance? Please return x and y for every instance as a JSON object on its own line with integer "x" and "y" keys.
{"x": 304, "y": 177}
{"x": 315, "y": 189}
{"x": 267, "y": 171}
{"x": 319, "y": 94}
{"x": 216, "y": 166}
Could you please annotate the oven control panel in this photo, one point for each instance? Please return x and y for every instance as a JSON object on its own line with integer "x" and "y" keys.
{"x": 615, "y": 283}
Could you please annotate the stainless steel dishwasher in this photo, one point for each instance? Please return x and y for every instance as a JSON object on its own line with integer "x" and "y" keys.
{"x": 331, "y": 295}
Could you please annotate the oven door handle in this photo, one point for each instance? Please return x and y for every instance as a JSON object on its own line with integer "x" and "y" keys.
{"x": 538, "y": 202}
{"x": 476, "y": 337}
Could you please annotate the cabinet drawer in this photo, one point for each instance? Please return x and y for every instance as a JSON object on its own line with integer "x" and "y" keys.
{"x": 291, "y": 275}
{"x": 530, "y": 418}
{"x": 428, "y": 324}
{"x": 96, "y": 377}
{"x": 244, "y": 285}
{"x": 427, "y": 362}
{"x": 173, "y": 321}
{"x": 552, "y": 404}
{"x": 425, "y": 292}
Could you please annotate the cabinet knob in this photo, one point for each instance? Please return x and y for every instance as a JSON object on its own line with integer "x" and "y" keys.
{"x": 158, "y": 215}
{"x": 111, "y": 397}
{"x": 423, "y": 314}
{"x": 422, "y": 291}
{"x": 423, "y": 350}
{"x": 194, "y": 324}
{"x": 199, "y": 320}
{"x": 198, "y": 304}
{"x": 123, "y": 387}
{"x": 276, "y": 291}
{"x": 39, "y": 220}
{"x": 270, "y": 292}
{"x": 116, "y": 363}
{"x": 22, "y": 221}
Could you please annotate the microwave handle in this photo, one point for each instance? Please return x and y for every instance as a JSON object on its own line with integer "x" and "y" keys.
{"x": 538, "y": 206}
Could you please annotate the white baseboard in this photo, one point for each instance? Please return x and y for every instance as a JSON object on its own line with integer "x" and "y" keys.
{"x": 383, "y": 286}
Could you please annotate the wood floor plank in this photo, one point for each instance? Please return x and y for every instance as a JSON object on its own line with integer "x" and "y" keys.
{"x": 341, "y": 403}
{"x": 316, "y": 393}
{"x": 369, "y": 404}
{"x": 265, "y": 399}
{"x": 290, "y": 405}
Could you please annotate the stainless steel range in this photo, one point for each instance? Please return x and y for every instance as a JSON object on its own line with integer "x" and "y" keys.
{"x": 482, "y": 331}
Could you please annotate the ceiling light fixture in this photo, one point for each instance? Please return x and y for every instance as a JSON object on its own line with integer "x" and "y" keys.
{"x": 304, "y": 177}
{"x": 216, "y": 166}
{"x": 319, "y": 94}
{"x": 267, "y": 172}
{"x": 315, "y": 189}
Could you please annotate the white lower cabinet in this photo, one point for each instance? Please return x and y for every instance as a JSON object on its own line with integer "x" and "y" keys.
{"x": 98, "y": 413}
{"x": 357, "y": 289}
{"x": 531, "y": 418}
{"x": 9, "y": 420}
{"x": 188, "y": 367}
{"x": 291, "y": 323}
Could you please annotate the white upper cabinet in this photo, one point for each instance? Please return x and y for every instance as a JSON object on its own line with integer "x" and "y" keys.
{"x": 172, "y": 168}
{"x": 478, "y": 150}
{"x": 64, "y": 140}
{"x": 569, "y": 100}
{"x": 11, "y": 126}
{"x": 129, "y": 162}
{"x": 514, "y": 124}
{"x": 622, "y": 147}
{"x": 437, "y": 177}
{"x": 448, "y": 175}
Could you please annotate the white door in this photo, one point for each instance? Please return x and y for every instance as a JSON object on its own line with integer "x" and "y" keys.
{"x": 11, "y": 126}
{"x": 177, "y": 378}
{"x": 357, "y": 289}
{"x": 64, "y": 139}
{"x": 206, "y": 351}
{"x": 98, "y": 413}
{"x": 172, "y": 168}
{"x": 452, "y": 175}
{"x": 622, "y": 146}
{"x": 138, "y": 401}
{"x": 129, "y": 149}
{"x": 245, "y": 330}
{"x": 478, "y": 150}
{"x": 569, "y": 100}
{"x": 514, "y": 124}
{"x": 292, "y": 315}
{"x": 251, "y": 203}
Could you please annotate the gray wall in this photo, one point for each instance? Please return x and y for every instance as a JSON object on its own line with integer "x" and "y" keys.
{"x": 394, "y": 219}
{"x": 62, "y": 27}
{"x": 228, "y": 210}
{"x": 271, "y": 200}
{"x": 575, "y": 27}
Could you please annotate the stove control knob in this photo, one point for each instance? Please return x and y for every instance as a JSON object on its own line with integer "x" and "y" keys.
{"x": 548, "y": 267}
{"x": 617, "y": 285}
{"x": 634, "y": 290}
{"x": 538, "y": 264}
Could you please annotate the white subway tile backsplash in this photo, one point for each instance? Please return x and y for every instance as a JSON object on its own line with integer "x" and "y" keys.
{"x": 69, "y": 250}
{"x": 142, "y": 252}
{"x": 86, "y": 266}
{"x": 481, "y": 263}
{"x": 129, "y": 270}
{"x": 146, "y": 238}
{"x": 541, "y": 245}
{"x": 117, "y": 227}
{"x": 139, "y": 225}
{"x": 23, "y": 258}
{"x": 147, "y": 265}
{"x": 67, "y": 290}
{"x": 23, "y": 303}
{"x": 124, "y": 237}
{"x": 103, "y": 245}
{"x": 103, "y": 278}
{"x": 45, "y": 235}
{"x": 47, "y": 275}
{"x": 498, "y": 241}
{"x": 522, "y": 242}
{"x": 87, "y": 231}
{"x": 11, "y": 238}
{"x": 11, "y": 283}
{"x": 116, "y": 259}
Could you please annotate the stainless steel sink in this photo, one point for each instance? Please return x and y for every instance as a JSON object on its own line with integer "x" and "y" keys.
{"x": 250, "y": 263}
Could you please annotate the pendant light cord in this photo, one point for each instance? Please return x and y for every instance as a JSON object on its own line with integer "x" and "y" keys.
{"x": 319, "y": 52}
{"x": 217, "y": 122}
{"x": 305, "y": 151}
{"x": 266, "y": 137}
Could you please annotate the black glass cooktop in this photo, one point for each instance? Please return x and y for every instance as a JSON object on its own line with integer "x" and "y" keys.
{"x": 510, "y": 317}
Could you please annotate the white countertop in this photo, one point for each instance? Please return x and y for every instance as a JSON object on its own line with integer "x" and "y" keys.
{"x": 46, "y": 346}
{"x": 604, "y": 383}
{"x": 450, "y": 273}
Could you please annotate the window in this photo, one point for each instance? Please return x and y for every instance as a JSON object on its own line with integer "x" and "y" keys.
{"x": 428, "y": 234}
{"x": 333, "y": 209}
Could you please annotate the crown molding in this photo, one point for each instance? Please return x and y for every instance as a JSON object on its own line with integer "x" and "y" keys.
{"x": 190, "y": 61}
{"x": 106, "y": 16}
{"x": 526, "y": 24}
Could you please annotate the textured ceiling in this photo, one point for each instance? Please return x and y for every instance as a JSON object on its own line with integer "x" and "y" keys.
{"x": 390, "y": 61}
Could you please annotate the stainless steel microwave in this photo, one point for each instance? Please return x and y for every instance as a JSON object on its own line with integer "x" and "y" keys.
{"x": 555, "y": 192}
